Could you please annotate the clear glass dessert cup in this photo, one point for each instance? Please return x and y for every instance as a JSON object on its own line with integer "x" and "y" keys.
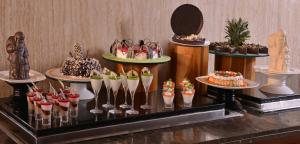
{"x": 115, "y": 85}
{"x": 46, "y": 113}
{"x": 146, "y": 81}
{"x": 96, "y": 85}
{"x": 74, "y": 101}
{"x": 188, "y": 98}
{"x": 132, "y": 85}
{"x": 30, "y": 103}
{"x": 107, "y": 85}
{"x": 125, "y": 87}
{"x": 37, "y": 108}
{"x": 56, "y": 108}
{"x": 64, "y": 110}
{"x": 168, "y": 100}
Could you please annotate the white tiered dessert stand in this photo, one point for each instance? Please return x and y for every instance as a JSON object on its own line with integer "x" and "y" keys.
{"x": 277, "y": 81}
{"x": 78, "y": 84}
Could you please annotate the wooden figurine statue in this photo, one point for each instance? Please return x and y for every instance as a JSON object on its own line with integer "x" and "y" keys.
{"x": 18, "y": 57}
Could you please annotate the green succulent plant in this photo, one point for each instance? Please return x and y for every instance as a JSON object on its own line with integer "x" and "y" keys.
{"x": 237, "y": 32}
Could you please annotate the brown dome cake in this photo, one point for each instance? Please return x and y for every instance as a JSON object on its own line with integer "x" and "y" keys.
{"x": 78, "y": 64}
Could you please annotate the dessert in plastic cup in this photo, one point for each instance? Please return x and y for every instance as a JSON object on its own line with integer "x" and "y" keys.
{"x": 133, "y": 82}
{"x": 37, "y": 108}
{"x": 64, "y": 105}
{"x": 168, "y": 97}
{"x": 74, "y": 100}
{"x": 187, "y": 92}
{"x": 46, "y": 112}
{"x": 30, "y": 103}
{"x": 115, "y": 83}
{"x": 55, "y": 106}
{"x": 168, "y": 93}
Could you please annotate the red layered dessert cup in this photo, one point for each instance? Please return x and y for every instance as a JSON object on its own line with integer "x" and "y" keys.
{"x": 64, "y": 105}
{"x": 74, "y": 100}
{"x": 37, "y": 108}
{"x": 30, "y": 103}
{"x": 46, "y": 108}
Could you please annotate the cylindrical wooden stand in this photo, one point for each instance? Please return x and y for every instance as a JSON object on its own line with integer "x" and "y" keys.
{"x": 243, "y": 65}
{"x": 189, "y": 62}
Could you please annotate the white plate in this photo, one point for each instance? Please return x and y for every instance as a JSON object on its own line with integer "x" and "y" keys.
{"x": 250, "y": 84}
{"x": 55, "y": 73}
{"x": 34, "y": 77}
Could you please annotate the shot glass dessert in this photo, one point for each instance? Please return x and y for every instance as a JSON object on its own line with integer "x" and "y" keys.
{"x": 30, "y": 103}
{"x": 64, "y": 105}
{"x": 37, "y": 107}
{"x": 56, "y": 107}
{"x": 187, "y": 92}
{"x": 46, "y": 113}
{"x": 168, "y": 94}
{"x": 74, "y": 100}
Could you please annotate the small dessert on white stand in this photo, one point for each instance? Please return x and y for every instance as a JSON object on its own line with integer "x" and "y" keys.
{"x": 76, "y": 70}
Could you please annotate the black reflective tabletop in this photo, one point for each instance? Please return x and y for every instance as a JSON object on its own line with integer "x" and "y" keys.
{"x": 87, "y": 120}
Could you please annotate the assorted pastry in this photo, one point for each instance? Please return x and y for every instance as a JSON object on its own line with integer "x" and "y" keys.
{"x": 144, "y": 49}
{"x": 237, "y": 33}
{"x": 227, "y": 78}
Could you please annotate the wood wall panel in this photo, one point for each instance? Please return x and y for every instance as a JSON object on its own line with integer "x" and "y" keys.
{"x": 53, "y": 26}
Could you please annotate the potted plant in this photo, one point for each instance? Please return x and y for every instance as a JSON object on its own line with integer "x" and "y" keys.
{"x": 237, "y": 33}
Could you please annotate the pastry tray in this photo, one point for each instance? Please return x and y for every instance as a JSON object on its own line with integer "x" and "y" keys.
{"x": 88, "y": 126}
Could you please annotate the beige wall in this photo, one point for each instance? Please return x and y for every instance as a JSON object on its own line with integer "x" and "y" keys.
{"x": 53, "y": 26}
